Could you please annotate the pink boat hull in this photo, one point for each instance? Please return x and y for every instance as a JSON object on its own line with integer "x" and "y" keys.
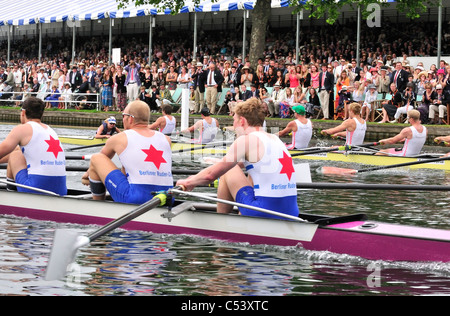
{"x": 370, "y": 240}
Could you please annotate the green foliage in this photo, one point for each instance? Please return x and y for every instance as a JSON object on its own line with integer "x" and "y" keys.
{"x": 174, "y": 5}
{"x": 318, "y": 8}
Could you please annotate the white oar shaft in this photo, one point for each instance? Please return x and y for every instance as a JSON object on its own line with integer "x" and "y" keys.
{"x": 259, "y": 209}
{"x": 28, "y": 187}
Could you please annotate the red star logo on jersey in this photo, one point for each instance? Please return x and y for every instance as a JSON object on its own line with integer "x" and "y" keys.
{"x": 54, "y": 146}
{"x": 288, "y": 166}
{"x": 155, "y": 156}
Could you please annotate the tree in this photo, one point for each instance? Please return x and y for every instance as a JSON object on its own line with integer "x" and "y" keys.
{"x": 318, "y": 8}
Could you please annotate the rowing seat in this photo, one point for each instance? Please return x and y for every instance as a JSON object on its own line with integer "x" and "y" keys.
{"x": 221, "y": 100}
{"x": 377, "y": 106}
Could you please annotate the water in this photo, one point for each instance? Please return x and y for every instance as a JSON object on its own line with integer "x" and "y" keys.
{"x": 137, "y": 263}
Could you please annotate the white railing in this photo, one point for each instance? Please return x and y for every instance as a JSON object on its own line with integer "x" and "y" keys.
{"x": 70, "y": 100}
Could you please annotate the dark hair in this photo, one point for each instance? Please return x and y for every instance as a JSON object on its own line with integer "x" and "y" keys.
{"x": 34, "y": 108}
{"x": 167, "y": 109}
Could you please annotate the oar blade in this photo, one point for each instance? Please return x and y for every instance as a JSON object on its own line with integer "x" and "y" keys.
{"x": 336, "y": 170}
{"x": 65, "y": 246}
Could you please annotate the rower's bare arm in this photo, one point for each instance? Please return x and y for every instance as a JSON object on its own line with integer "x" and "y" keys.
{"x": 14, "y": 138}
{"x": 235, "y": 154}
{"x": 289, "y": 128}
{"x": 404, "y": 134}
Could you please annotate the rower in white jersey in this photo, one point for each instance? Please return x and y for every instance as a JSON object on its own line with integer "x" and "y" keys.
{"x": 354, "y": 128}
{"x": 146, "y": 159}
{"x": 165, "y": 124}
{"x": 207, "y": 128}
{"x": 301, "y": 129}
{"x": 414, "y": 137}
{"x": 271, "y": 182}
{"x": 40, "y": 163}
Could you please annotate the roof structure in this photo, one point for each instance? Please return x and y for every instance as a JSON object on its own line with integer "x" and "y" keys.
{"x": 25, "y": 12}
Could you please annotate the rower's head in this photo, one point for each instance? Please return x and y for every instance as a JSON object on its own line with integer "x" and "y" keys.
{"x": 354, "y": 108}
{"x": 250, "y": 113}
{"x": 32, "y": 108}
{"x": 413, "y": 116}
{"x": 299, "y": 110}
{"x": 167, "y": 109}
{"x": 205, "y": 112}
{"x": 136, "y": 113}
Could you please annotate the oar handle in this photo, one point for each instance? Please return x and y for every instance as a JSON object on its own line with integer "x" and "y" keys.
{"x": 159, "y": 199}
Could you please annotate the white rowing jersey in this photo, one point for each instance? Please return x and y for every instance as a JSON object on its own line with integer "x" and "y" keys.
{"x": 302, "y": 137}
{"x": 147, "y": 160}
{"x": 46, "y": 161}
{"x": 208, "y": 132}
{"x": 357, "y": 136}
{"x": 273, "y": 176}
{"x": 414, "y": 145}
{"x": 170, "y": 125}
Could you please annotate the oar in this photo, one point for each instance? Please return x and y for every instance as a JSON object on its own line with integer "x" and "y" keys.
{"x": 67, "y": 242}
{"x": 259, "y": 209}
{"x": 194, "y": 146}
{"x": 335, "y": 170}
{"x": 338, "y": 148}
{"x": 371, "y": 186}
{"x": 88, "y": 146}
{"x": 29, "y": 187}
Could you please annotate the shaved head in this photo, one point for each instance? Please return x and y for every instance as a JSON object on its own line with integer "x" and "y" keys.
{"x": 140, "y": 111}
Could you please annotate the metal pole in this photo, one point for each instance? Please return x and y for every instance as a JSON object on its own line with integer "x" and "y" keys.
{"x": 439, "y": 34}
{"x": 73, "y": 41}
{"x": 194, "y": 55}
{"x": 110, "y": 41}
{"x": 297, "y": 40}
{"x": 150, "y": 40}
{"x": 358, "y": 36}
{"x": 40, "y": 42}
{"x": 244, "y": 35}
{"x": 9, "y": 44}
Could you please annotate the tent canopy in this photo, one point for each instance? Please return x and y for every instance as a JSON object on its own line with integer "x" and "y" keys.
{"x": 26, "y": 12}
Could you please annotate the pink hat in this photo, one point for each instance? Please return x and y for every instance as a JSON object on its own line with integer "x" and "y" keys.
{"x": 441, "y": 71}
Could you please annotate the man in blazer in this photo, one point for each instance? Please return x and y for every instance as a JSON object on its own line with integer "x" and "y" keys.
{"x": 75, "y": 78}
{"x": 212, "y": 79}
{"x": 399, "y": 77}
{"x": 326, "y": 83}
{"x": 199, "y": 87}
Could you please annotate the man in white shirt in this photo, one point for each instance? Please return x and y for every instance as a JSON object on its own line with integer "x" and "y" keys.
{"x": 278, "y": 96}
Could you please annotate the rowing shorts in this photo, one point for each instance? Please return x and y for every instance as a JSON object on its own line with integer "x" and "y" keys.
{"x": 122, "y": 191}
{"x": 55, "y": 184}
{"x": 286, "y": 205}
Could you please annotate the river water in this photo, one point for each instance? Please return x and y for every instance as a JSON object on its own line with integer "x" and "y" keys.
{"x": 138, "y": 263}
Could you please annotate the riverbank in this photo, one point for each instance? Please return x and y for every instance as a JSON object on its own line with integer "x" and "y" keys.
{"x": 93, "y": 119}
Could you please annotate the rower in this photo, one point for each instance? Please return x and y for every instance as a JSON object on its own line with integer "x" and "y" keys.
{"x": 301, "y": 129}
{"x": 271, "y": 182}
{"x": 355, "y": 127}
{"x": 146, "y": 159}
{"x": 40, "y": 162}
{"x": 413, "y": 136}
{"x": 107, "y": 129}
{"x": 207, "y": 127}
{"x": 165, "y": 124}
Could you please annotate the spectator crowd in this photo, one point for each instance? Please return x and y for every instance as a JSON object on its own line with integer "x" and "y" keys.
{"x": 325, "y": 80}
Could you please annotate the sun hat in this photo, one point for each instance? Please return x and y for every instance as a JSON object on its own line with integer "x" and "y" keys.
{"x": 299, "y": 109}
{"x": 112, "y": 120}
